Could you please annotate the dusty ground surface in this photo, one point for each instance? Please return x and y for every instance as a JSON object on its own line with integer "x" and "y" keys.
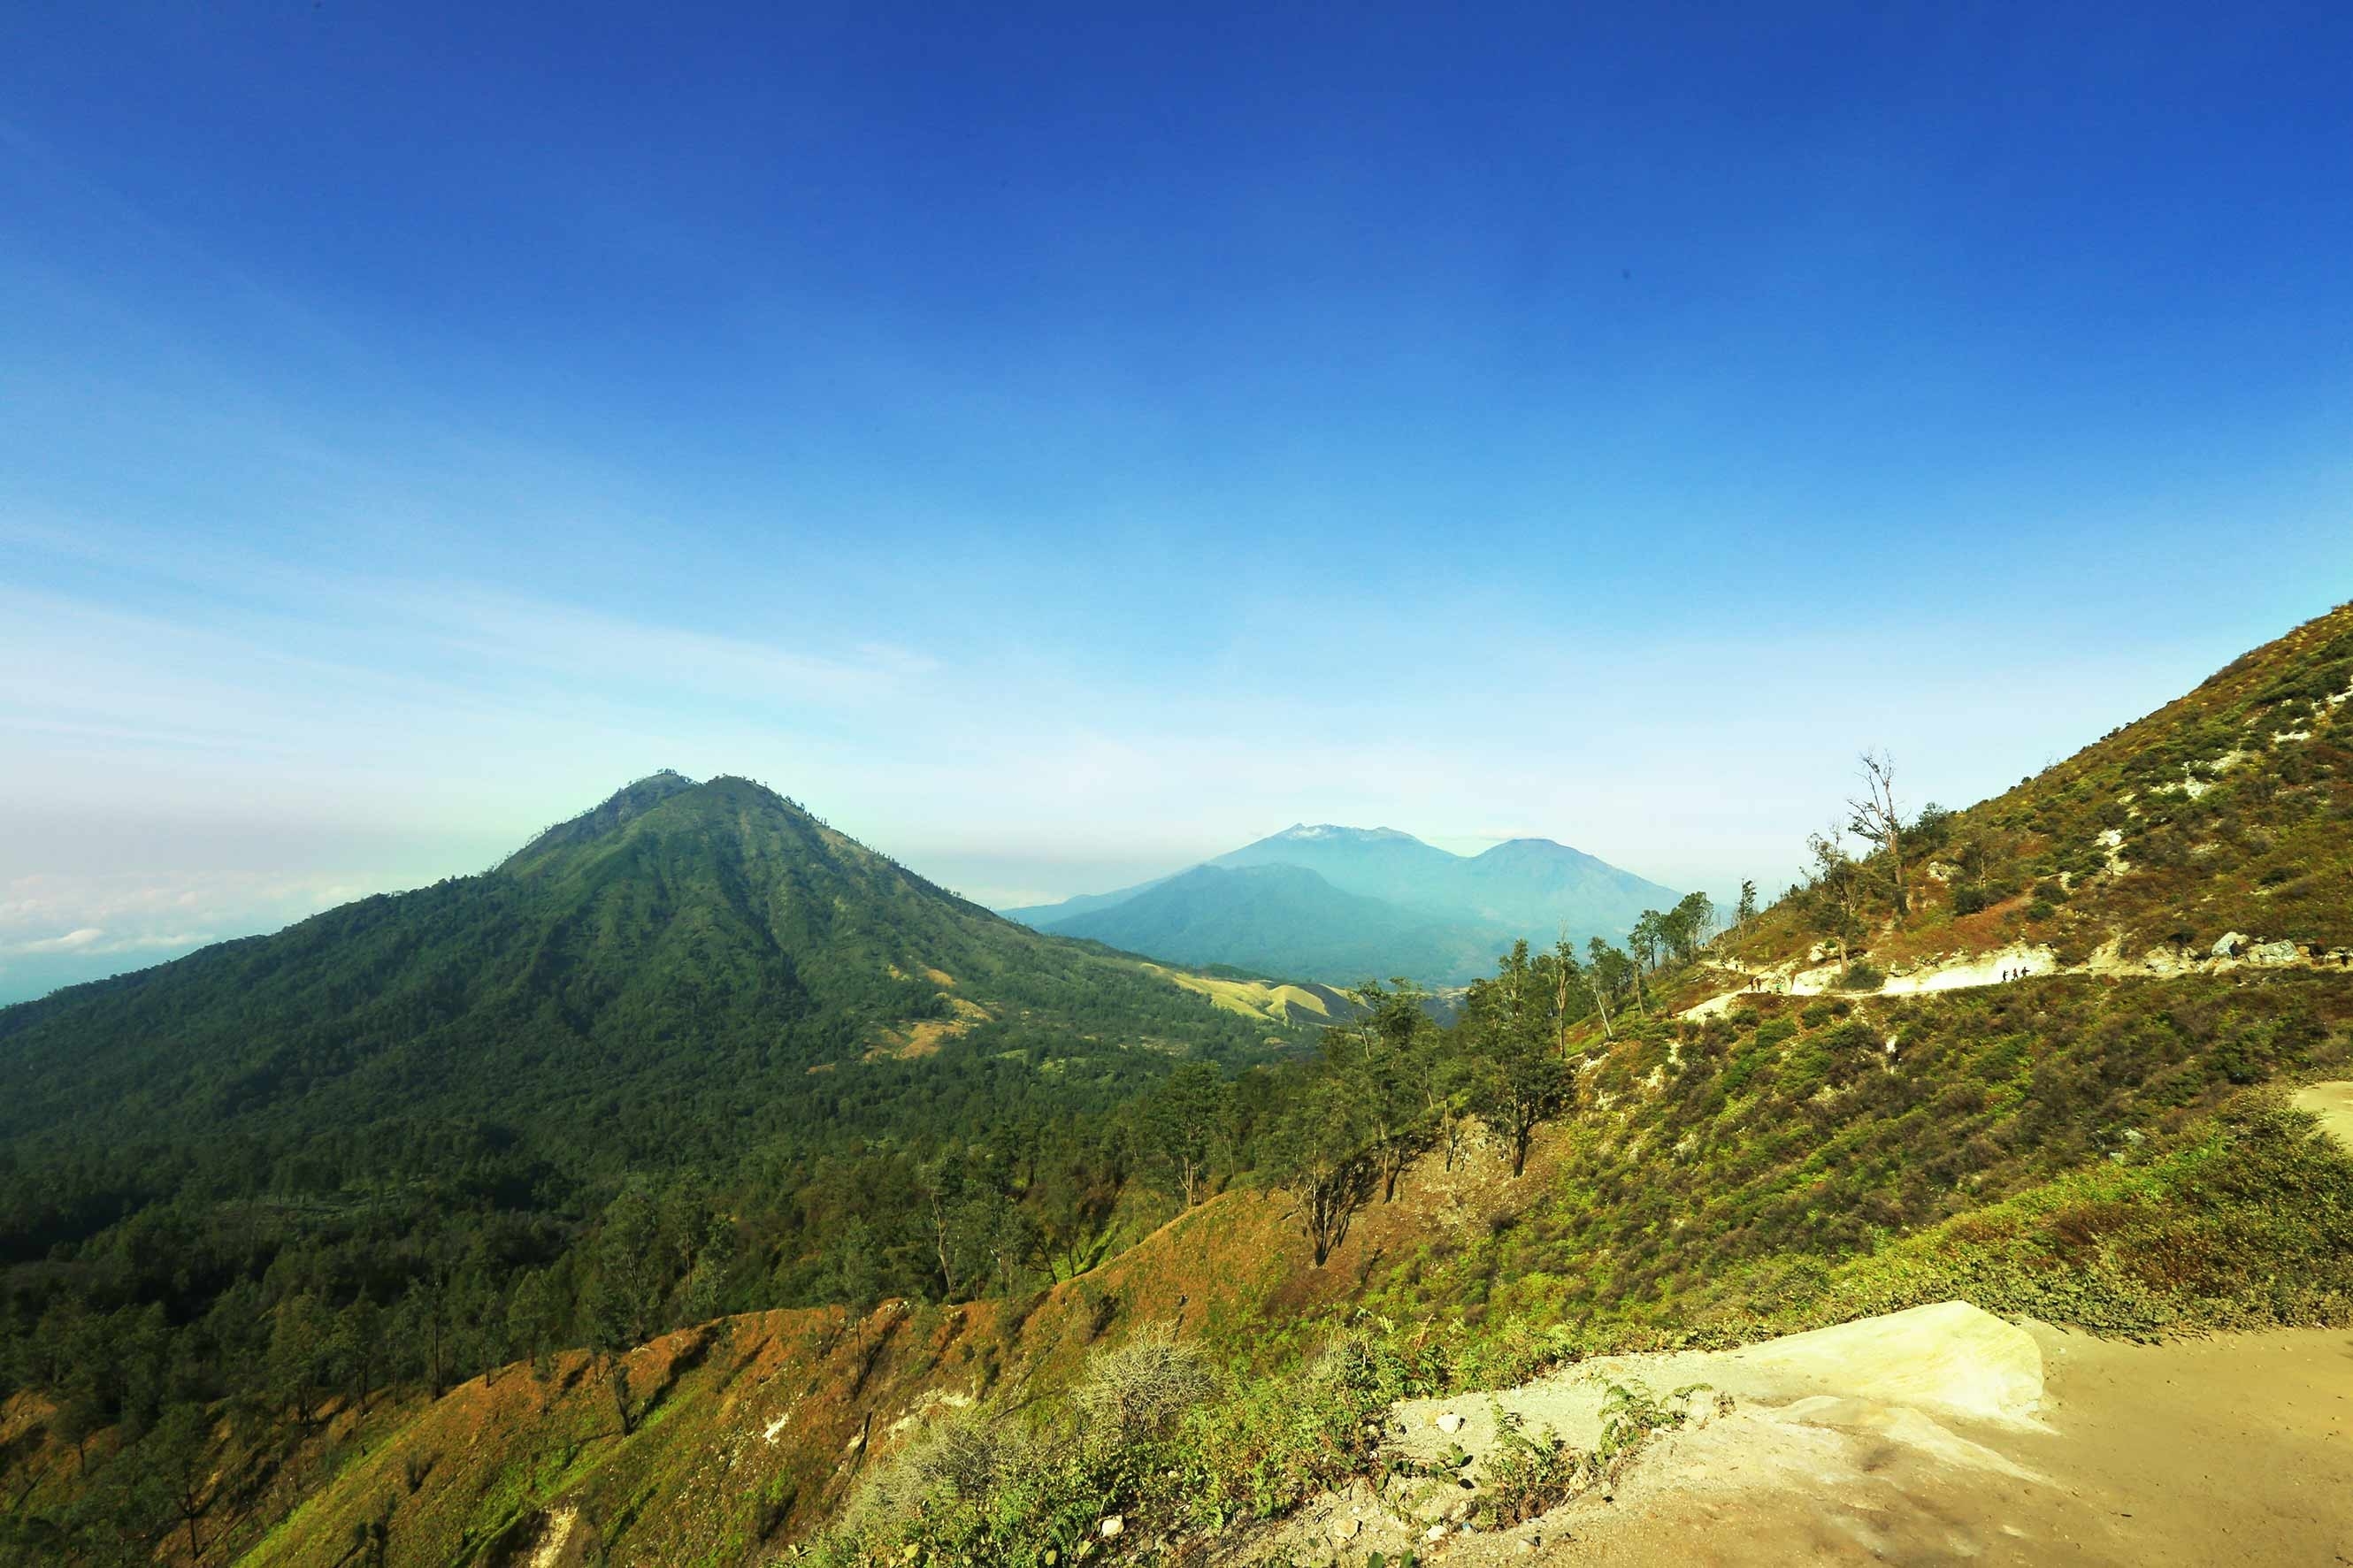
{"x": 1935, "y": 1436}
{"x": 2333, "y": 1103}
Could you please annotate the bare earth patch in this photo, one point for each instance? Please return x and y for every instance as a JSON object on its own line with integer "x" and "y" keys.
{"x": 1937, "y": 1436}
{"x": 2333, "y": 1103}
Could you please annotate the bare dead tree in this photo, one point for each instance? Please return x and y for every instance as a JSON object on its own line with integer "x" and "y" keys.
{"x": 1876, "y": 819}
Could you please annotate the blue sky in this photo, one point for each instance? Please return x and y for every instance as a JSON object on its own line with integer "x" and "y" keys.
{"x": 1058, "y": 445}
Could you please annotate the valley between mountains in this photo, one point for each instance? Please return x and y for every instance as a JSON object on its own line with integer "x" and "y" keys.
{"x": 701, "y": 1186}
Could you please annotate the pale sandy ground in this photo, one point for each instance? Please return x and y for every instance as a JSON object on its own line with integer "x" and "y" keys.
{"x": 1940, "y": 1435}
{"x": 2237, "y": 1449}
{"x": 2333, "y": 1103}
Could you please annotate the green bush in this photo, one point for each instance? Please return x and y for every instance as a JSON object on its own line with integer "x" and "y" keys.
{"x": 1861, "y": 977}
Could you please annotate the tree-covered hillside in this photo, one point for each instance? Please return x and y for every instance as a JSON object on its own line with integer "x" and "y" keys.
{"x": 692, "y": 1052}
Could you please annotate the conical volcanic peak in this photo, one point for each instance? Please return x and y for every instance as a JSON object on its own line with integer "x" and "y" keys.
{"x": 624, "y": 806}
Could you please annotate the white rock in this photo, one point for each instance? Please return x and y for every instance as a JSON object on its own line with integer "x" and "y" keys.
{"x": 1435, "y": 1532}
{"x": 1449, "y": 1422}
{"x": 2228, "y": 943}
{"x": 2274, "y": 953}
{"x": 1112, "y": 1526}
{"x": 1346, "y": 1529}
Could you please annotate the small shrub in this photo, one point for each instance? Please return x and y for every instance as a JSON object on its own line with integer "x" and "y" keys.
{"x": 1529, "y": 1476}
{"x": 1140, "y": 1389}
{"x": 1861, "y": 977}
{"x": 1968, "y": 898}
{"x": 963, "y": 1456}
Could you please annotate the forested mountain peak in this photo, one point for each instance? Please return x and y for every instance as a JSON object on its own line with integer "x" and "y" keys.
{"x": 735, "y": 816}
{"x": 624, "y": 805}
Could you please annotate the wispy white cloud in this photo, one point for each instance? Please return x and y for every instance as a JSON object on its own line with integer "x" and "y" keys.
{"x": 72, "y": 941}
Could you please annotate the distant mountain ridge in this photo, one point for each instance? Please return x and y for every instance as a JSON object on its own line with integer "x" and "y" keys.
{"x": 1289, "y": 922}
{"x": 1380, "y": 902}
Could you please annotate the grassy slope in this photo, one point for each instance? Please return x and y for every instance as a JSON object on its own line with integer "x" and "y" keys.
{"x": 2231, "y": 809}
{"x": 698, "y": 1479}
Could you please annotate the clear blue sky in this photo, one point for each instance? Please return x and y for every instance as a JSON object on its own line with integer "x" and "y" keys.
{"x": 1058, "y": 445}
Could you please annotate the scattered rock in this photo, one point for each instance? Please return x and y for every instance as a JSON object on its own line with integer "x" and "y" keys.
{"x": 1115, "y": 1525}
{"x": 1436, "y": 1533}
{"x": 1346, "y": 1529}
{"x": 2230, "y": 942}
{"x": 1449, "y": 1422}
{"x": 2274, "y": 953}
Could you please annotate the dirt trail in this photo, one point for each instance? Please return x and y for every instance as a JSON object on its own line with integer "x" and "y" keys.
{"x": 2017, "y": 961}
{"x": 1940, "y": 1435}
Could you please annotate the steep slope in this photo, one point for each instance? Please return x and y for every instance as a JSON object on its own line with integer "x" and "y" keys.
{"x": 2215, "y": 831}
{"x": 1286, "y": 920}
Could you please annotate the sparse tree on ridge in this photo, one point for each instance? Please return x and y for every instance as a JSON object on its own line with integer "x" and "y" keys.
{"x": 1380, "y": 1057}
{"x": 1319, "y": 1160}
{"x": 1446, "y": 1088}
{"x": 1831, "y": 888}
{"x": 177, "y": 1455}
{"x": 1180, "y": 1124}
{"x": 1565, "y": 975}
{"x": 1605, "y": 970}
{"x": 1520, "y": 1082}
{"x": 1686, "y": 927}
{"x": 1876, "y": 819}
